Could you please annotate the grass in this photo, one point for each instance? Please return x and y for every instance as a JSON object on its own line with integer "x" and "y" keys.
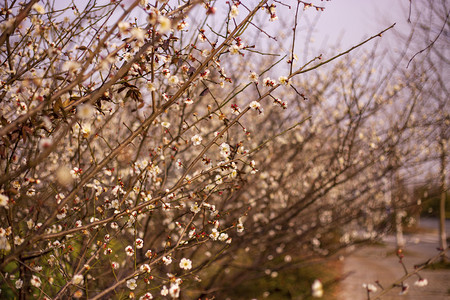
{"x": 439, "y": 266}
{"x": 292, "y": 283}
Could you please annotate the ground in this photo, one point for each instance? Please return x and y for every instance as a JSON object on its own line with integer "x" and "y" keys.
{"x": 379, "y": 262}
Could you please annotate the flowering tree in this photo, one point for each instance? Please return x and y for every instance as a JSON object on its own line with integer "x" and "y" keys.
{"x": 322, "y": 186}
{"x": 431, "y": 64}
{"x": 145, "y": 149}
{"x": 423, "y": 67}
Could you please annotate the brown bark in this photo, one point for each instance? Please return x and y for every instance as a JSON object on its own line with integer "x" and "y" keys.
{"x": 442, "y": 233}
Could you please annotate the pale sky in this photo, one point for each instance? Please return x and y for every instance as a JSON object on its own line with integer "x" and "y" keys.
{"x": 356, "y": 19}
{"x": 348, "y": 22}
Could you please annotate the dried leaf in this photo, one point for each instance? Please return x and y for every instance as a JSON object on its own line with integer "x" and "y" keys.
{"x": 203, "y": 93}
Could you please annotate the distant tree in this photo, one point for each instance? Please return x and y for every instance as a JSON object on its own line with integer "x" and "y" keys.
{"x": 429, "y": 57}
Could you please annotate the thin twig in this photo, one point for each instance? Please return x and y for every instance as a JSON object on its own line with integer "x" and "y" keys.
{"x": 406, "y": 276}
{"x": 432, "y": 43}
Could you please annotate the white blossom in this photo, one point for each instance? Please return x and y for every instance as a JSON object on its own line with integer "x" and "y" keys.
{"x": 39, "y": 8}
{"x": 234, "y": 49}
{"x": 421, "y": 282}
{"x": 131, "y": 284}
{"x": 35, "y": 281}
{"x": 234, "y": 11}
{"x": 3, "y": 200}
{"x": 174, "y": 290}
{"x": 78, "y": 279}
{"x": 196, "y": 140}
{"x": 19, "y": 284}
{"x": 317, "y": 289}
{"x": 165, "y": 25}
{"x": 186, "y": 264}
{"x": 129, "y": 250}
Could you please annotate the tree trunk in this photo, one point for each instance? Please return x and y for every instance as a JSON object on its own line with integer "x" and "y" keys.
{"x": 442, "y": 233}
{"x": 398, "y": 213}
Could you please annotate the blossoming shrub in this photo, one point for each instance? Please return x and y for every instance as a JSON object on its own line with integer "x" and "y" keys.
{"x": 144, "y": 149}
{"x": 322, "y": 185}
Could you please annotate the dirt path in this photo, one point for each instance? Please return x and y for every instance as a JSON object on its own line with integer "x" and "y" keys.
{"x": 368, "y": 264}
